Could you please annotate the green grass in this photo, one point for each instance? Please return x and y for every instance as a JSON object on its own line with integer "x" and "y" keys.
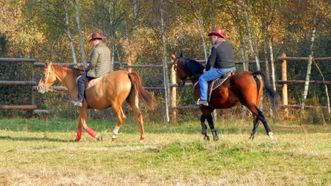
{"x": 171, "y": 154}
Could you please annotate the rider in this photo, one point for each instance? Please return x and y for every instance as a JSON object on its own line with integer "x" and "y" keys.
{"x": 99, "y": 65}
{"x": 220, "y": 61}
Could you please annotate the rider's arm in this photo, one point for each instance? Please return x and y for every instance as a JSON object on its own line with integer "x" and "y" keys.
{"x": 211, "y": 59}
{"x": 94, "y": 58}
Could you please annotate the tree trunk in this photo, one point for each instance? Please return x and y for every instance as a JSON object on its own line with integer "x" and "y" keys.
{"x": 265, "y": 49}
{"x": 112, "y": 32}
{"x": 81, "y": 38}
{"x": 201, "y": 32}
{"x": 135, "y": 13}
{"x": 310, "y": 60}
{"x": 326, "y": 89}
{"x": 72, "y": 46}
{"x": 213, "y": 13}
{"x": 243, "y": 52}
{"x": 272, "y": 63}
{"x": 248, "y": 29}
{"x": 165, "y": 64}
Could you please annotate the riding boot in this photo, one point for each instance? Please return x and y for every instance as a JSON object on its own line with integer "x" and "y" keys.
{"x": 214, "y": 133}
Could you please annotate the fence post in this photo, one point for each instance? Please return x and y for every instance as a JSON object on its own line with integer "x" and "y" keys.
{"x": 173, "y": 92}
{"x": 33, "y": 99}
{"x": 284, "y": 84}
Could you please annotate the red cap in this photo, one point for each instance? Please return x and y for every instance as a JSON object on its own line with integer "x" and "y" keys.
{"x": 218, "y": 32}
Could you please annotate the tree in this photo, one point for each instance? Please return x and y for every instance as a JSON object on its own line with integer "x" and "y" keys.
{"x": 71, "y": 42}
{"x": 81, "y": 38}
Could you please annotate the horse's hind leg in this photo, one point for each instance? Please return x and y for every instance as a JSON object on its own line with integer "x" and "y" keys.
{"x": 255, "y": 125}
{"x": 259, "y": 115}
{"x": 121, "y": 118}
{"x": 134, "y": 104}
{"x": 204, "y": 127}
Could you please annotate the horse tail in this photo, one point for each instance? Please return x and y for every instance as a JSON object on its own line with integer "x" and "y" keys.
{"x": 146, "y": 97}
{"x": 268, "y": 89}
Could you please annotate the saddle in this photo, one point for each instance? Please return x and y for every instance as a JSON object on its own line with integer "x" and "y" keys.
{"x": 214, "y": 84}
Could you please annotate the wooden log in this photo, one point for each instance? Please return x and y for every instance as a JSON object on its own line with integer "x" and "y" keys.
{"x": 306, "y": 106}
{"x": 154, "y": 88}
{"x": 18, "y": 83}
{"x": 17, "y": 60}
{"x": 303, "y": 59}
{"x": 322, "y": 58}
{"x": 303, "y": 81}
{"x": 187, "y": 107}
{"x": 176, "y": 85}
{"x": 41, "y": 64}
{"x": 18, "y": 107}
{"x": 284, "y": 85}
{"x": 173, "y": 94}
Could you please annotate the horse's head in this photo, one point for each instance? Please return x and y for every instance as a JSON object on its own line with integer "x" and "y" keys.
{"x": 47, "y": 79}
{"x": 186, "y": 68}
{"x": 181, "y": 72}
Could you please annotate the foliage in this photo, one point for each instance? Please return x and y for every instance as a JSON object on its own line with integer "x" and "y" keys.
{"x": 36, "y": 29}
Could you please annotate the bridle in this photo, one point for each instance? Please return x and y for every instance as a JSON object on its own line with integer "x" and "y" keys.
{"x": 192, "y": 77}
{"x": 43, "y": 86}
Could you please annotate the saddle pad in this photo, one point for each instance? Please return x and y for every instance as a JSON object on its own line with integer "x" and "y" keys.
{"x": 92, "y": 82}
{"x": 217, "y": 83}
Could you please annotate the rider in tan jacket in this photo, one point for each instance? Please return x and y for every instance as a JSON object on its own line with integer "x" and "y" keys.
{"x": 100, "y": 65}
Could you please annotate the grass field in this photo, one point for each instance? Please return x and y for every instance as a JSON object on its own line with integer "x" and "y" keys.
{"x": 170, "y": 155}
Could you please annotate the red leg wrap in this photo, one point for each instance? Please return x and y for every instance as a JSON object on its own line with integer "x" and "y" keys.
{"x": 90, "y": 132}
{"x": 79, "y": 134}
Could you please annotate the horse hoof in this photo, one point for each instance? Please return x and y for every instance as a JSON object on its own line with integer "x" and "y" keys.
{"x": 252, "y": 137}
{"x": 216, "y": 138}
{"x": 271, "y": 136}
{"x": 206, "y": 138}
{"x": 99, "y": 138}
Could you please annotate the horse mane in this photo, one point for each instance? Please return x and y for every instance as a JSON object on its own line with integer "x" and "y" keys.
{"x": 66, "y": 67}
{"x": 193, "y": 66}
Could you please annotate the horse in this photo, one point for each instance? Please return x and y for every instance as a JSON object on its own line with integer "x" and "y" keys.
{"x": 243, "y": 87}
{"x": 110, "y": 90}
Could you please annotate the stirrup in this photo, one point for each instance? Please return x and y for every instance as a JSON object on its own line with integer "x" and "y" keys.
{"x": 78, "y": 104}
{"x": 202, "y": 102}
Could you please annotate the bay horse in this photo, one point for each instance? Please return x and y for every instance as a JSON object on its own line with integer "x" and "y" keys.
{"x": 243, "y": 87}
{"x": 110, "y": 90}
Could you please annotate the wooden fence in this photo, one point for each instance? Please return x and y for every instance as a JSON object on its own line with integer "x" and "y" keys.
{"x": 283, "y": 82}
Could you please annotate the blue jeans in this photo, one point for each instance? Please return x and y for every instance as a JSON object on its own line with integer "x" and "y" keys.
{"x": 81, "y": 82}
{"x": 210, "y": 75}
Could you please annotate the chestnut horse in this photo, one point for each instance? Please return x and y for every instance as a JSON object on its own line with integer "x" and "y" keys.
{"x": 243, "y": 87}
{"x": 110, "y": 90}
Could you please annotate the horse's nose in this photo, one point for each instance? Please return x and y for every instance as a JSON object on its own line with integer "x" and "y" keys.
{"x": 40, "y": 90}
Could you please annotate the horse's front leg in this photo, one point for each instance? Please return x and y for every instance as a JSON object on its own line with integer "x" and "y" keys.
{"x": 204, "y": 127}
{"x": 79, "y": 131}
{"x": 212, "y": 127}
{"x": 82, "y": 121}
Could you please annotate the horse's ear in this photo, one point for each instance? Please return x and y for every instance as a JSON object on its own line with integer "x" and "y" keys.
{"x": 173, "y": 57}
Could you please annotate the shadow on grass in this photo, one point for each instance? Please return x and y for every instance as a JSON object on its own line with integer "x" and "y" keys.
{"x": 189, "y": 127}
{"x": 34, "y": 139}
